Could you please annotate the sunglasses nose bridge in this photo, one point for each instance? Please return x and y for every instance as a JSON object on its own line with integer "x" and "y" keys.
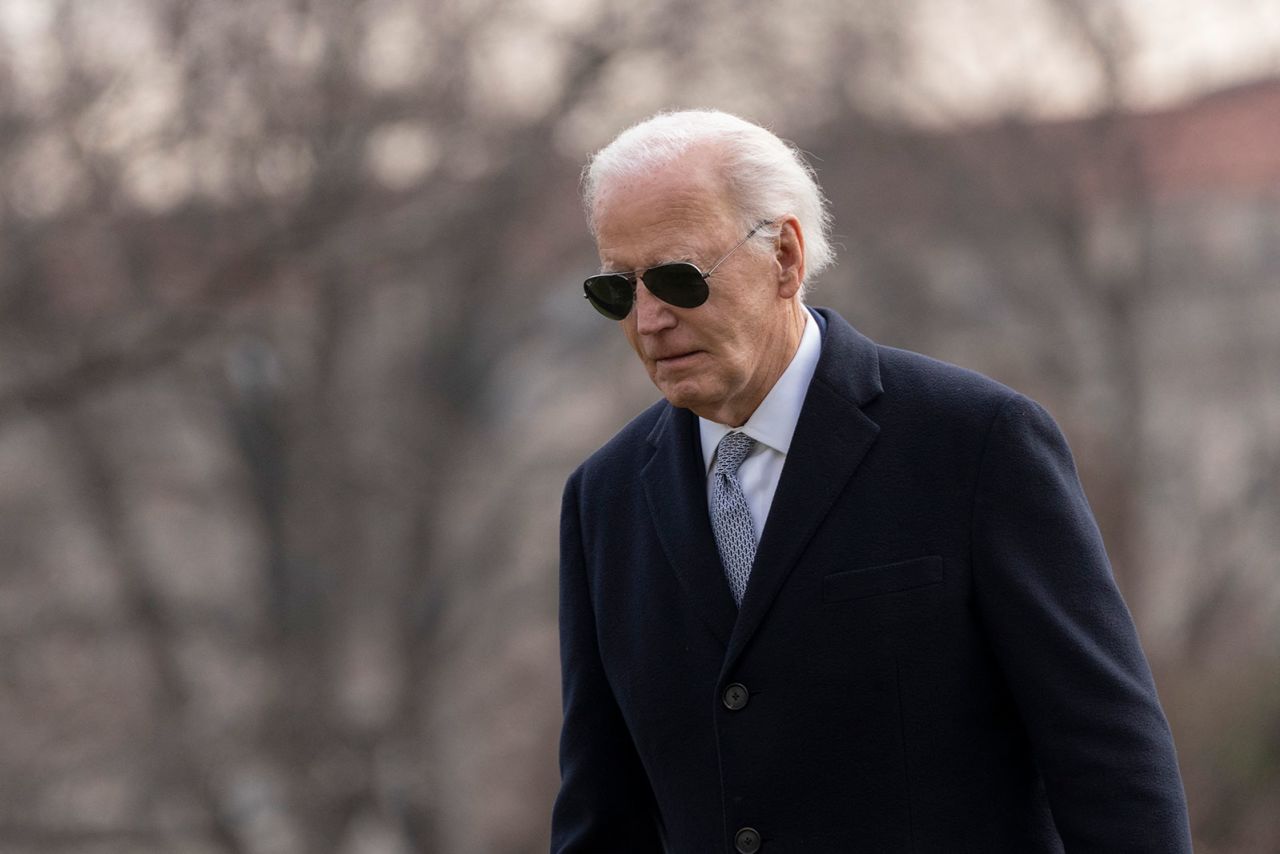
{"x": 652, "y": 312}
{"x": 638, "y": 284}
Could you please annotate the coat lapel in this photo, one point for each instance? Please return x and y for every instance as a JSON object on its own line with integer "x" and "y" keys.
{"x": 675, "y": 485}
{"x": 831, "y": 438}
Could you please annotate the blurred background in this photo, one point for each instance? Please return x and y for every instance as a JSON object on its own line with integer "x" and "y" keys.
{"x": 294, "y": 363}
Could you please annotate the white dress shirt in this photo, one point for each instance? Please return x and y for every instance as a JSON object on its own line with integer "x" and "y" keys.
{"x": 772, "y": 426}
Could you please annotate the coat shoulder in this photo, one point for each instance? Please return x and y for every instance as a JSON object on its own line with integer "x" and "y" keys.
{"x": 628, "y": 450}
{"x": 934, "y": 388}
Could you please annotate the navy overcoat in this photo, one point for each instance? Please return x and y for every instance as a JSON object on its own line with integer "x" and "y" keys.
{"x": 931, "y": 655}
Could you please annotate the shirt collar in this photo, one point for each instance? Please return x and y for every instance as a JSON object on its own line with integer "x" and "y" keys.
{"x": 774, "y": 421}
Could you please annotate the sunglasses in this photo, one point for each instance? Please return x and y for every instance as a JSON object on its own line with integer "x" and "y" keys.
{"x": 679, "y": 283}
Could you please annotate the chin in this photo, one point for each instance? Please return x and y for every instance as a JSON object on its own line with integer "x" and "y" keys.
{"x": 686, "y": 394}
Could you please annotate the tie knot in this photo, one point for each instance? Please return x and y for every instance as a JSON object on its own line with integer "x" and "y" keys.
{"x": 731, "y": 451}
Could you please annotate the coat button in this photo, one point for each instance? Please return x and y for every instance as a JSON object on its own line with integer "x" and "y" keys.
{"x": 735, "y": 697}
{"x": 747, "y": 841}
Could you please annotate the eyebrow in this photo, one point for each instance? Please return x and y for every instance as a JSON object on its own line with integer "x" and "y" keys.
{"x": 683, "y": 258}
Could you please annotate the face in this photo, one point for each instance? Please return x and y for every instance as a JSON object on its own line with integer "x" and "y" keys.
{"x": 721, "y": 358}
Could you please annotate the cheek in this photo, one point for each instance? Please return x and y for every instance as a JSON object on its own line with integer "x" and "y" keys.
{"x": 629, "y": 332}
{"x": 717, "y": 327}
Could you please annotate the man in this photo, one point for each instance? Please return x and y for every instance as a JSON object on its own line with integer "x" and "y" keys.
{"x": 827, "y": 596}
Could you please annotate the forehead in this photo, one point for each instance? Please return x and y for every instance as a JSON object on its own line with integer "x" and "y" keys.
{"x": 678, "y": 210}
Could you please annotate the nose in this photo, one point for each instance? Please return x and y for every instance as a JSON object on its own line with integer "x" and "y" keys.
{"x": 652, "y": 314}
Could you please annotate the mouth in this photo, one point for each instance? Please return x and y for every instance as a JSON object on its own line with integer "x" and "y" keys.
{"x": 676, "y": 360}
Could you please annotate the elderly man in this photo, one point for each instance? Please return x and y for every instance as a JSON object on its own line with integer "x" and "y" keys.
{"x": 827, "y": 596}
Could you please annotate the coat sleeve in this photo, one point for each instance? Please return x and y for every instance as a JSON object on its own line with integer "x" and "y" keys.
{"x": 605, "y": 801}
{"x": 1068, "y": 646}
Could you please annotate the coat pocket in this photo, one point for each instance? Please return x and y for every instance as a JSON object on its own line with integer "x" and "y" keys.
{"x": 884, "y": 578}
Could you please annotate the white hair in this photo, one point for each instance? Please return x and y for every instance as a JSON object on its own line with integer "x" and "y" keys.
{"x": 767, "y": 177}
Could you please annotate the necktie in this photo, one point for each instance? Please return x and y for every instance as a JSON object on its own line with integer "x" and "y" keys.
{"x": 730, "y": 515}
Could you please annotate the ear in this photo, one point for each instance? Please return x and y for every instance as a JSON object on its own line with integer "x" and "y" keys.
{"x": 789, "y": 258}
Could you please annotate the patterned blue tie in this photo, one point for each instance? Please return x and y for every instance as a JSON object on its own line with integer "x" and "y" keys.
{"x": 730, "y": 514}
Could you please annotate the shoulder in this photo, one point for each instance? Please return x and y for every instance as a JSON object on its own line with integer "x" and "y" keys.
{"x": 627, "y": 451}
{"x": 961, "y": 406}
{"x": 894, "y": 383}
{"x": 962, "y": 410}
{"x": 932, "y": 387}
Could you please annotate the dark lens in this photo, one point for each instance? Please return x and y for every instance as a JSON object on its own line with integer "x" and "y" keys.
{"x": 680, "y": 284}
{"x": 610, "y": 295}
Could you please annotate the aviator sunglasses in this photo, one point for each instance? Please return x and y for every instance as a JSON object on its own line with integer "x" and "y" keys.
{"x": 679, "y": 283}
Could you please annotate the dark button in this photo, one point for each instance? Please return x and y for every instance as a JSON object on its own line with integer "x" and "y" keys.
{"x": 735, "y": 696}
{"x": 747, "y": 841}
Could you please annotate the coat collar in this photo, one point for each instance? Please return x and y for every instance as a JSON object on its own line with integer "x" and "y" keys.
{"x": 675, "y": 485}
{"x": 831, "y": 438}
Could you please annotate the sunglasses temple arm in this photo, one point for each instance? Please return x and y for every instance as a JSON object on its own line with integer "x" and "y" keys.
{"x": 736, "y": 246}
